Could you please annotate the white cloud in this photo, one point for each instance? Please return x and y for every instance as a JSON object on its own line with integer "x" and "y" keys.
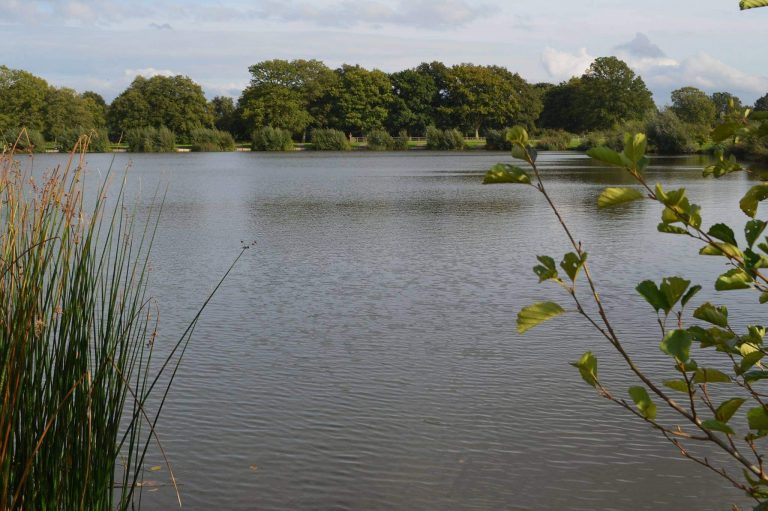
{"x": 148, "y": 72}
{"x": 562, "y": 65}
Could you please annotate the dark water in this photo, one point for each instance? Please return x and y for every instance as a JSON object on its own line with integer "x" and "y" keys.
{"x": 364, "y": 355}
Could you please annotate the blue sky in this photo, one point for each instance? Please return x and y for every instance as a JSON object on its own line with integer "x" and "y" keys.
{"x": 102, "y": 44}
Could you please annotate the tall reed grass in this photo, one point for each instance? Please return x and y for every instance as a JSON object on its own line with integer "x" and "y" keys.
{"x": 77, "y": 338}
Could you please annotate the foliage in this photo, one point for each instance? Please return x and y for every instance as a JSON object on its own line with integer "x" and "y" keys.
{"x": 173, "y": 102}
{"x": 97, "y": 141}
{"x": 553, "y": 140}
{"x": 150, "y": 140}
{"x": 413, "y": 107}
{"x": 496, "y": 140}
{"x": 23, "y": 140}
{"x": 268, "y": 138}
{"x": 380, "y": 140}
{"x": 761, "y": 105}
{"x": 726, "y": 104}
{"x": 211, "y": 140}
{"x": 224, "y": 113}
{"x": 705, "y": 400}
{"x": 22, "y": 100}
{"x": 484, "y": 97}
{"x": 362, "y": 100}
{"x": 669, "y": 135}
{"x": 330, "y": 140}
{"x": 444, "y": 140}
{"x": 693, "y": 106}
{"x": 401, "y": 141}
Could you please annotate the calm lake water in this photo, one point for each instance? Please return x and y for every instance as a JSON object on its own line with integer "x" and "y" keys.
{"x": 363, "y": 356}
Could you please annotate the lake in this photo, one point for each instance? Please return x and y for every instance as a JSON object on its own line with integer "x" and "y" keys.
{"x": 363, "y": 355}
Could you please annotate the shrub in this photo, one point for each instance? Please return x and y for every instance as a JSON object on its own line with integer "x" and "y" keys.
{"x": 591, "y": 139}
{"x": 553, "y": 140}
{"x": 330, "y": 140}
{"x": 98, "y": 141}
{"x": 667, "y": 134}
{"x": 211, "y": 140}
{"x": 150, "y": 140}
{"x": 380, "y": 140}
{"x": 268, "y": 138}
{"x": 401, "y": 141}
{"x": 28, "y": 141}
{"x": 496, "y": 140}
{"x": 444, "y": 140}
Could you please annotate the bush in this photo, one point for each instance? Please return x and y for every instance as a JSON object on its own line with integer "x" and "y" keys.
{"x": 401, "y": 141}
{"x": 211, "y": 140}
{"x": 98, "y": 141}
{"x": 444, "y": 140}
{"x": 554, "y": 140}
{"x": 150, "y": 140}
{"x": 30, "y": 141}
{"x": 268, "y": 138}
{"x": 380, "y": 140}
{"x": 496, "y": 140}
{"x": 667, "y": 134}
{"x": 591, "y": 139}
{"x": 330, "y": 140}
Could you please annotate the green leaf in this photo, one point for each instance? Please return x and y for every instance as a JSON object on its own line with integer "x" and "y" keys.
{"x": 670, "y": 229}
{"x": 757, "y": 418}
{"x": 711, "y": 314}
{"x": 506, "y": 173}
{"x": 753, "y": 229}
{"x": 652, "y": 295}
{"x": 517, "y": 135}
{"x": 690, "y": 294}
{"x": 546, "y": 270}
{"x": 733, "y": 279}
{"x": 607, "y": 155}
{"x": 749, "y": 360}
{"x": 752, "y": 198}
{"x": 678, "y": 385}
{"x": 716, "y": 425}
{"x": 709, "y": 375}
{"x": 673, "y": 288}
{"x": 722, "y": 339}
{"x": 614, "y": 196}
{"x": 524, "y": 153}
{"x": 677, "y": 343}
{"x": 723, "y": 233}
{"x": 727, "y": 408}
{"x": 725, "y": 130}
{"x": 751, "y": 4}
{"x": 756, "y": 375}
{"x": 587, "y": 366}
{"x": 634, "y": 147}
{"x": 764, "y": 297}
{"x": 721, "y": 249}
{"x": 535, "y": 314}
{"x": 643, "y": 401}
{"x": 572, "y": 264}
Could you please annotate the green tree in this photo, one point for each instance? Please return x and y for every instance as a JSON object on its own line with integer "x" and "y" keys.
{"x": 693, "y": 106}
{"x": 610, "y": 92}
{"x": 224, "y": 115}
{"x": 97, "y": 106}
{"x": 559, "y": 107}
{"x": 174, "y": 102}
{"x": 362, "y": 99}
{"x": 485, "y": 97}
{"x": 761, "y": 105}
{"x": 412, "y": 109}
{"x": 287, "y": 94}
{"x": 725, "y": 104}
{"x": 22, "y": 99}
{"x": 66, "y": 109}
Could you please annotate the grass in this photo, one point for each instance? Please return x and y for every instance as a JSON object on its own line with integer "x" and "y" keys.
{"x": 77, "y": 337}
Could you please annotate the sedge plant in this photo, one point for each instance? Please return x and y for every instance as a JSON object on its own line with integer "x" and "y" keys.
{"x": 77, "y": 341}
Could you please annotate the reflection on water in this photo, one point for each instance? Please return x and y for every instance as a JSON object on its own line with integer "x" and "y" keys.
{"x": 363, "y": 356}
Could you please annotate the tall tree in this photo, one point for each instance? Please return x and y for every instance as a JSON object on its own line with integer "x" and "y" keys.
{"x": 65, "y": 109}
{"x": 22, "y": 99}
{"x": 175, "y": 102}
{"x": 362, "y": 100}
{"x": 483, "y": 97}
{"x": 693, "y": 106}
{"x": 761, "y": 105}
{"x": 725, "y": 104}
{"x": 413, "y": 107}
{"x": 560, "y": 107}
{"x": 286, "y": 95}
{"x": 610, "y": 92}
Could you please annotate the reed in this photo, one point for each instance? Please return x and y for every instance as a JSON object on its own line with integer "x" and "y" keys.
{"x": 77, "y": 339}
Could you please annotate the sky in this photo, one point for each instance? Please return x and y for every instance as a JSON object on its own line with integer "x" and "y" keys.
{"x": 101, "y": 45}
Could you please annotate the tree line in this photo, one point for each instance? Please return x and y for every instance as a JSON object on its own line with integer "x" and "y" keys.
{"x": 300, "y": 96}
